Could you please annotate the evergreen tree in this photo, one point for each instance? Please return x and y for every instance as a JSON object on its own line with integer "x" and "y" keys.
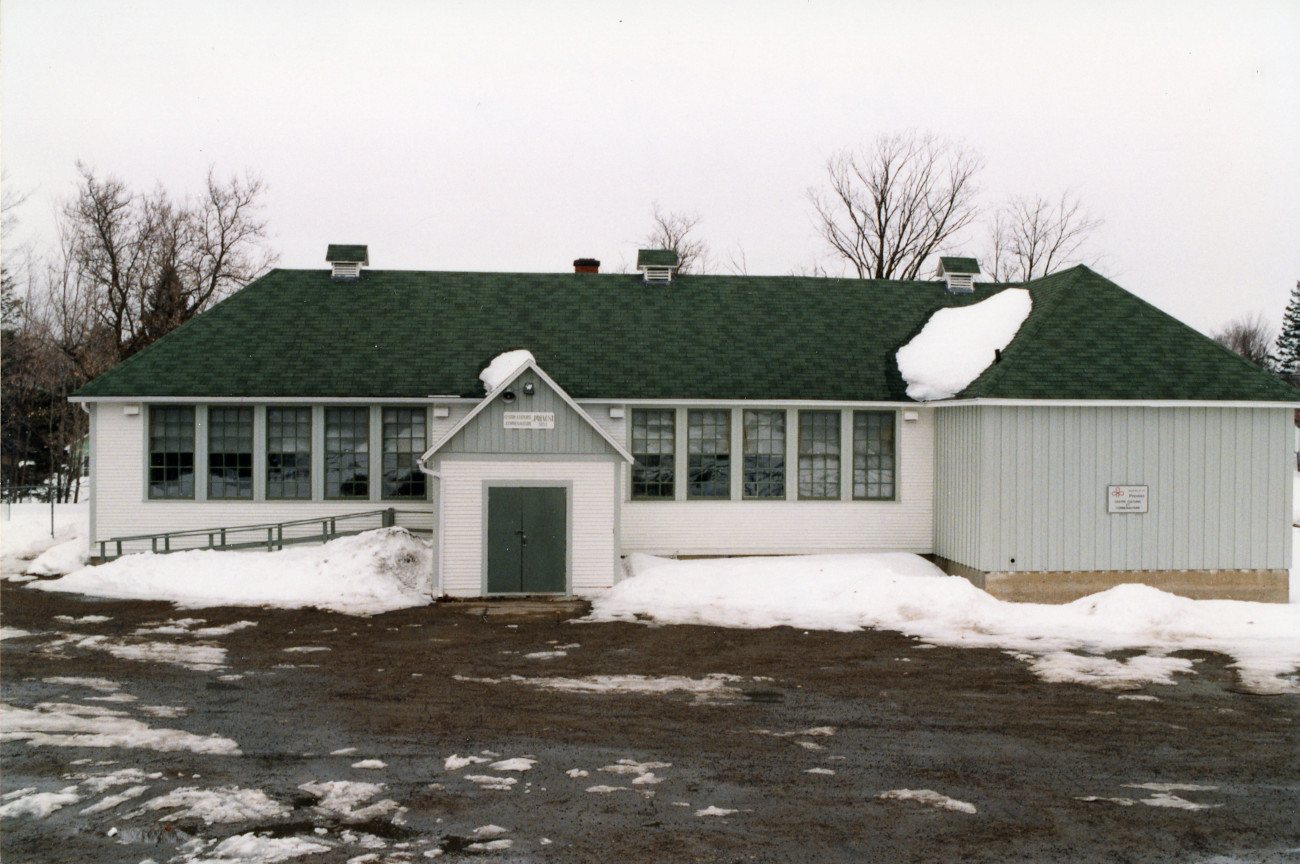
{"x": 1286, "y": 350}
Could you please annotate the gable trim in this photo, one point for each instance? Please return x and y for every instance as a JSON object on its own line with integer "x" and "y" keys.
{"x": 501, "y": 388}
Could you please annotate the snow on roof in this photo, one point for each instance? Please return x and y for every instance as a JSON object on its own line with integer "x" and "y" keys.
{"x": 503, "y": 366}
{"x": 959, "y": 343}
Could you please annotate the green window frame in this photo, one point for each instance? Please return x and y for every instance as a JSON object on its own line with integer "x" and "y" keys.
{"x": 230, "y": 453}
{"x": 288, "y": 453}
{"x": 819, "y": 455}
{"x": 171, "y": 451}
{"x": 654, "y": 442}
{"x": 874, "y": 460}
{"x": 347, "y": 453}
{"x": 708, "y": 454}
{"x": 405, "y": 431}
{"x": 764, "y": 454}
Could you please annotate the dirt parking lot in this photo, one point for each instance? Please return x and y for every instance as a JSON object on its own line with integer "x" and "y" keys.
{"x": 732, "y": 746}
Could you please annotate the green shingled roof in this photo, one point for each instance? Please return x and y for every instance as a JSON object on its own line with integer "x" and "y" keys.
{"x": 960, "y": 265}
{"x": 656, "y": 258}
{"x": 297, "y": 333}
{"x": 347, "y": 253}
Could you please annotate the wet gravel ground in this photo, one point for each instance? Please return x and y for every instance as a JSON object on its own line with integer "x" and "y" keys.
{"x": 881, "y": 711}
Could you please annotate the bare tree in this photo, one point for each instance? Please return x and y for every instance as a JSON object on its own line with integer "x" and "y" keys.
{"x": 1250, "y": 337}
{"x": 151, "y": 263}
{"x": 1033, "y": 236}
{"x": 890, "y": 206}
{"x": 673, "y": 230}
{"x": 127, "y": 268}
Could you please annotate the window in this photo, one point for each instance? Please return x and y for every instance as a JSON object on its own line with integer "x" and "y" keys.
{"x": 653, "y": 432}
{"x": 288, "y": 452}
{"x": 404, "y": 437}
{"x": 708, "y": 454}
{"x": 230, "y": 452}
{"x": 347, "y": 452}
{"x": 819, "y": 454}
{"x": 171, "y": 451}
{"x": 764, "y": 471}
{"x": 873, "y": 455}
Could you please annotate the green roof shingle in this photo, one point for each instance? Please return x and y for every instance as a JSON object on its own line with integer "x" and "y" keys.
{"x": 395, "y": 334}
{"x": 656, "y": 258}
{"x": 960, "y": 265}
{"x": 347, "y": 253}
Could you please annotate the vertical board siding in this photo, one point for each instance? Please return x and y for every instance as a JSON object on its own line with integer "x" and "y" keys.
{"x": 1217, "y": 478}
{"x": 798, "y": 527}
{"x": 957, "y": 471}
{"x": 486, "y": 433}
{"x": 121, "y": 508}
{"x": 591, "y": 508}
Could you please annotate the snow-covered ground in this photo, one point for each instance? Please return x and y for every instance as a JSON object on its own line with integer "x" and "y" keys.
{"x": 27, "y": 546}
{"x": 906, "y": 593}
{"x": 365, "y": 574}
{"x": 390, "y": 569}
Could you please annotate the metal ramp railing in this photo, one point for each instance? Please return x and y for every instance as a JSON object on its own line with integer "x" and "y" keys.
{"x": 266, "y": 535}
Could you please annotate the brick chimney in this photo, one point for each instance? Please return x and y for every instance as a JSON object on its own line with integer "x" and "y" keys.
{"x": 586, "y": 265}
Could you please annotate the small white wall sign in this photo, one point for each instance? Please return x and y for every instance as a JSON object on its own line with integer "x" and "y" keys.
{"x": 528, "y": 419}
{"x": 1126, "y": 499}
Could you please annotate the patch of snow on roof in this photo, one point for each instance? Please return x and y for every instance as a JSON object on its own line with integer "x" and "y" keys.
{"x": 958, "y": 343}
{"x": 502, "y": 367}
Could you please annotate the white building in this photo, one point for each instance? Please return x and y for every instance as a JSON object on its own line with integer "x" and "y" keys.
{"x": 703, "y": 415}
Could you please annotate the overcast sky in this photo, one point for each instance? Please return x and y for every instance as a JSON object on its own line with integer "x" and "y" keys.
{"x": 519, "y": 136}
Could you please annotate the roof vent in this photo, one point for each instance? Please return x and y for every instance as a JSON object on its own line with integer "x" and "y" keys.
{"x": 346, "y": 260}
{"x": 657, "y": 265}
{"x": 958, "y": 274}
{"x": 586, "y": 265}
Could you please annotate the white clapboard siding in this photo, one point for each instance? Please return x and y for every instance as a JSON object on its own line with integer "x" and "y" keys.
{"x": 592, "y": 549}
{"x": 121, "y": 508}
{"x": 797, "y": 527}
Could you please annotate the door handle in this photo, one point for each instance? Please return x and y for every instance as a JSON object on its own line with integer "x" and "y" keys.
{"x": 523, "y": 538}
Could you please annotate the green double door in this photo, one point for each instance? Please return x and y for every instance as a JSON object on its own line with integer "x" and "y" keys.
{"x": 526, "y": 540}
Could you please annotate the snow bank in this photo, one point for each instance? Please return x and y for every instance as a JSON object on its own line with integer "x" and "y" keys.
{"x": 373, "y": 572}
{"x": 26, "y": 535}
{"x": 502, "y": 367}
{"x": 908, "y": 594}
{"x": 957, "y": 344}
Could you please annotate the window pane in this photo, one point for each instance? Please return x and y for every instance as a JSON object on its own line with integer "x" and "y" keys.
{"x": 819, "y": 454}
{"x": 230, "y": 452}
{"x": 708, "y": 454}
{"x": 171, "y": 451}
{"x": 288, "y": 452}
{"x": 653, "y": 432}
{"x": 404, "y": 442}
{"x": 873, "y": 455}
{"x": 764, "y": 475}
{"x": 347, "y": 452}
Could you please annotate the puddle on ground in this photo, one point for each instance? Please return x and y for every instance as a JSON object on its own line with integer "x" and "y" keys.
{"x": 767, "y": 696}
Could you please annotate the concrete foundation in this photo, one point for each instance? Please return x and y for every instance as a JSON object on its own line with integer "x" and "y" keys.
{"x": 1063, "y": 586}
